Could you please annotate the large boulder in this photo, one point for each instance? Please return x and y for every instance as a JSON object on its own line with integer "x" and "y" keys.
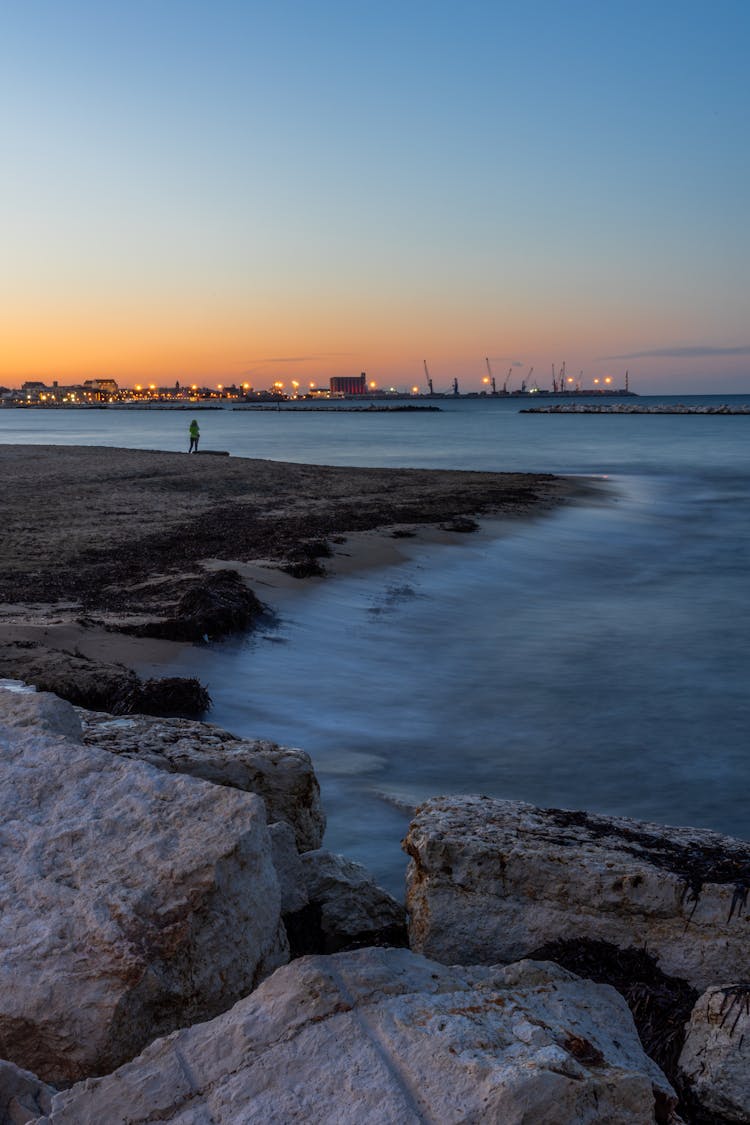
{"x": 282, "y": 776}
{"x": 345, "y": 908}
{"x": 390, "y": 1038}
{"x": 493, "y": 880}
{"x": 715, "y": 1060}
{"x": 133, "y": 900}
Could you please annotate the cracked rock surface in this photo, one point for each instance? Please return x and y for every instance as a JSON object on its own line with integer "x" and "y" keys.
{"x": 386, "y": 1037}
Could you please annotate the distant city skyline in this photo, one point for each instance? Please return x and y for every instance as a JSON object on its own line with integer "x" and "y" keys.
{"x": 250, "y": 192}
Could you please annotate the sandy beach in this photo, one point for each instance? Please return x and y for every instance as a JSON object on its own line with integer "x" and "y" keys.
{"x": 101, "y": 543}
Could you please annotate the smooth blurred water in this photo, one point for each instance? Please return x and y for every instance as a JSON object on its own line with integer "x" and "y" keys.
{"x": 596, "y": 657}
{"x": 463, "y": 434}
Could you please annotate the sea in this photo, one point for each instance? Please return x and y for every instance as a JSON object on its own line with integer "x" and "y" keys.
{"x": 593, "y": 657}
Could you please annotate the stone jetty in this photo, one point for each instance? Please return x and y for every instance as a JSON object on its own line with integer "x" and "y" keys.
{"x": 635, "y": 408}
{"x": 177, "y": 946}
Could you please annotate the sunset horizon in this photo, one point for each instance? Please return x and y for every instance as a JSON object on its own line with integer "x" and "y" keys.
{"x": 226, "y": 194}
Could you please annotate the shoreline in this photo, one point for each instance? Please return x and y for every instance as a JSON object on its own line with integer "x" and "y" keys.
{"x": 104, "y": 548}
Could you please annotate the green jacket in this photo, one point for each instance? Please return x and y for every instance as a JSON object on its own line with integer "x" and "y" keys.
{"x": 194, "y": 431}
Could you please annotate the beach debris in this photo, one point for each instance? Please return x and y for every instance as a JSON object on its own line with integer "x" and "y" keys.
{"x": 462, "y": 524}
{"x": 135, "y": 901}
{"x": 304, "y": 558}
{"x": 386, "y": 1035}
{"x": 214, "y": 605}
{"x": 177, "y": 696}
{"x": 98, "y": 685}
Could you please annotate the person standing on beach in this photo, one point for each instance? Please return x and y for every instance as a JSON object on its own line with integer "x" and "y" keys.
{"x": 194, "y": 436}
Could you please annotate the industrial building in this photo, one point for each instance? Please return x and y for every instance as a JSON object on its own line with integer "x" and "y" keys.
{"x": 349, "y": 384}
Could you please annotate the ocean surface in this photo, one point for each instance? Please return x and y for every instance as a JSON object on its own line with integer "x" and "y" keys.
{"x": 593, "y": 658}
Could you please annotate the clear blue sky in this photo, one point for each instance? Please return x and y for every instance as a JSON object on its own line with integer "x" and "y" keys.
{"x": 256, "y": 190}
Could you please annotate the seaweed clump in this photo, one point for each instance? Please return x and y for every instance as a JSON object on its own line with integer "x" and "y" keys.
{"x": 304, "y": 559}
{"x": 212, "y": 606}
{"x": 99, "y": 686}
{"x": 695, "y": 864}
{"x": 660, "y": 1004}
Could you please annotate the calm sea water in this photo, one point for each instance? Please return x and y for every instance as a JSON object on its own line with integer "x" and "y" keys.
{"x": 595, "y": 658}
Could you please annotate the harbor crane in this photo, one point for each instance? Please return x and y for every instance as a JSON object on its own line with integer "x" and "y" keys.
{"x": 526, "y": 380}
{"x": 427, "y": 377}
{"x": 506, "y": 384}
{"x": 492, "y": 377}
{"x": 455, "y": 386}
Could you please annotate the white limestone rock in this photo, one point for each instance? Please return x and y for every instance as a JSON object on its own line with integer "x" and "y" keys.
{"x": 40, "y": 710}
{"x": 289, "y": 870}
{"x": 131, "y": 901}
{"x": 715, "y": 1059}
{"x": 281, "y": 775}
{"x": 493, "y": 880}
{"x": 386, "y": 1037}
{"x": 23, "y": 1097}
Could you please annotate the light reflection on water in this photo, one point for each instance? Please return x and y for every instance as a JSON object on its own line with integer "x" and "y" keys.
{"x": 592, "y": 658}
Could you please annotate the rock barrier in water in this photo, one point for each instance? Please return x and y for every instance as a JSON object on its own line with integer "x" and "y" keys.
{"x": 633, "y": 408}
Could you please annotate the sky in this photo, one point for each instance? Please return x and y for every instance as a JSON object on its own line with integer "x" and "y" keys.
{"x": 259, "y": 191}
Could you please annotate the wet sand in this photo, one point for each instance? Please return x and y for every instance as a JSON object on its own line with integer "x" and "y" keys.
{"x": 97, "y": 539}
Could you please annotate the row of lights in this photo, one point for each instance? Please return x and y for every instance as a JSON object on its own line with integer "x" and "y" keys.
{"x": 279, "y": 385}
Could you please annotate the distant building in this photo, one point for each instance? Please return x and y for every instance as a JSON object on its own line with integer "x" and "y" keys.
{"x": 349, "y": 384}
{"x": 109, "y": 386}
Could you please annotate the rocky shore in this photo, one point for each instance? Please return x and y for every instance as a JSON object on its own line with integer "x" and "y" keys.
{"x": 118, "y": 543}
{"x": 178, "y": 947}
